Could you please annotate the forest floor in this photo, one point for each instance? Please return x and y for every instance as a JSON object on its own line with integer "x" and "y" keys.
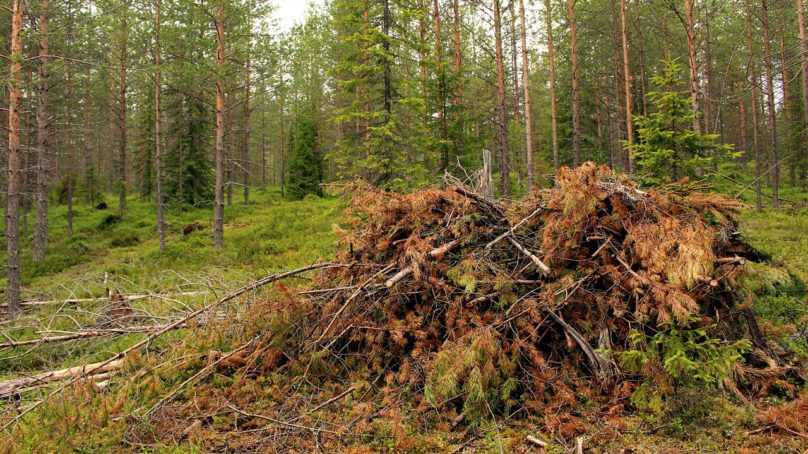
{"x": 270, "y": 235}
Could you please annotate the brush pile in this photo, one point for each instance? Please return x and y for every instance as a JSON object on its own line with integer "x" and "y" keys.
{"x": 487, "y": 306}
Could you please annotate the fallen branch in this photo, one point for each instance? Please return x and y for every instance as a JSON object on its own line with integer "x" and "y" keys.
{"x": 537, "y": 261}
{"x": 204, "y": 371}
{"x": 93, "y": 368}
{"x": 127, "y": 298}
{"x": 510, "y": 231}
{"x": 536, "y": 442}
{"x": 600, "y": 365}
{"x": 11, "y": 387}
{"x": 84, "y": 335}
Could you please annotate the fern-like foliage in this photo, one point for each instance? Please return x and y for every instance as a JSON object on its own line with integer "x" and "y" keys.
{"x": 677, "y": 356}
{"x": 475, "y": 370}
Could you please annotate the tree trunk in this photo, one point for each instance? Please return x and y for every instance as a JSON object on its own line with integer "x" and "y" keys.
{"x": 690, "y": 28}
{"x": 514, "y": 65}
{"x": 122, "y": 117}
{"x": 263, "y": 150}
{"x": 218, "y": 215}
{"x": 158, "y": 137}
{"x": 743, "y": 130}
{"x": 753, "y": 77}
{"x": 789, "y": 123}
{"x": 627, "y": 86}
{"x": 42, "y": 139}
{"x": 502, "y": 117}
{"x": 548, "y": 15}
{"x": 771, "y": 106}
{"x": 245, "y": 152}
{"x": 441, "y": 74}
{"x": 458, "y": 53}
{"x": 641, "y": 55}
{"x": 576, "y": 90}
{"x": 14, "y": 158}
{"x": 283, "y": 138}
{"x": 804, "y": 71}
{"x": 531, "y": 177}
{"x": 69, "y": 170}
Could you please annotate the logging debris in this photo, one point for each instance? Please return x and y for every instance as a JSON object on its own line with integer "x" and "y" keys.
{"x": 481, "y": 304}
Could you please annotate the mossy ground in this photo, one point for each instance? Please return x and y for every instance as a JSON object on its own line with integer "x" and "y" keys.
{"x": 273, "y": 234}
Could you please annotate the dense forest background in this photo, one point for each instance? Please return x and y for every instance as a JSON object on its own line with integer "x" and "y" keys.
{"x": 199, "y": 102}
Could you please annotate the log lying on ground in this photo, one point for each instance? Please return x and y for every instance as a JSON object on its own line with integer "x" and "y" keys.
{"x": 75, "y": 301}
{"x": 86, "y": 334}
{"x": 12, "y": 387}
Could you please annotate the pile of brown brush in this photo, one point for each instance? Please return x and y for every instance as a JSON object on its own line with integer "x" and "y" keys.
{"x": 488, "y": 306}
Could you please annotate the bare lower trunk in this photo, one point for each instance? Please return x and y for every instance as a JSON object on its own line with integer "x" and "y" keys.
{"x": 458, "y": 63}
{"x": 576, "y": 90}
{"x": 753, "y": 77}
{"x": 627, "y": 86}
{"x": 245, "y": 156}
{"x": 789, "y": 123}
{"x": 531, "y": 177}
{"x": 502, "y": 118}
{"x": 122, "y": 121}
{"x": 42, "y": 140}
{"x": 263, "y": 151}
{"x": 158, "y": 124}
{"x": 690, "y": 28}
{"x": 548, "y": 14}
{"x": 218, "y": 215}
{"x": 771, "y": 107}
{"x": 804, "y": 71}
{"x": 441, "y": 74}
{"x": 14, "y": 159}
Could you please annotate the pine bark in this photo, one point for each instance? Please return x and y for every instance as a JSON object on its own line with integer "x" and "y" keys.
{"x": 548, "y": 16}
{"x": 502, "y": 117}
{"x": 245, "y": 152}
{"x": 804, "y": 71}
{"x": 531, "y": 177}
{"x": 42, "y": 139}
{"x": 789, "y": 123}
{"x": 627, "y": 86}
{"x": 441, "y": 74}
{"x": 69, "y": 154}
{"x": 576, "y": 90}
{"x": 753, "y": 78}
{"x": 458, "y": 57}
{"x": 158, "y": 124}
{"x": 14, "y": 158}
{"x": 692, "y": 50}
{"x": 122, "y": 111}
{"x": 773, "y": 152}
{"x": 517, "y": 115}
{"x": 218, "y": 215}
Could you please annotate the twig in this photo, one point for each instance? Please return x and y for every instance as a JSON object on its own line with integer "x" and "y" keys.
{"x": 231, "y": 296}
{"x": 10, "y": 387}
{"x": 510, "y": 231}
{"x": 204, "y": 371}
{"x": 83, "y": 335}
{"x": 544, "y": 268}
{"x": 536, "y": 442}
{"x": 279, "y": 422}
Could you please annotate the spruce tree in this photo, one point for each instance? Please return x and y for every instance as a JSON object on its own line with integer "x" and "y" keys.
{"x": 305, "y": 166}
{"x": 668, "y": 147}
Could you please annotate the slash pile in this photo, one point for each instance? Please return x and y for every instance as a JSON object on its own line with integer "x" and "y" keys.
{"x": 485, "y": 305}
